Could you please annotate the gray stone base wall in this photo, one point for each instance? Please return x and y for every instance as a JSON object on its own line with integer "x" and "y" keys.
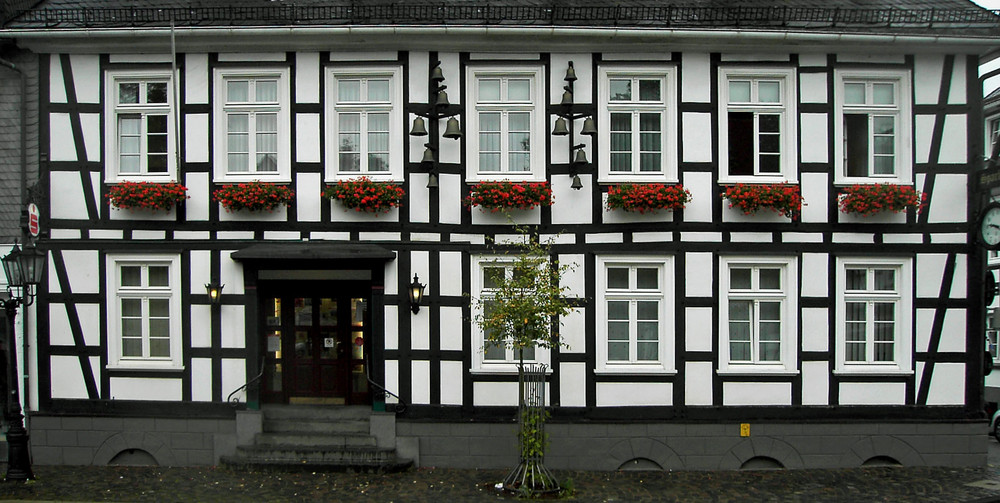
{"x": 84, "y": 440}
{"x": 678, "y": 446}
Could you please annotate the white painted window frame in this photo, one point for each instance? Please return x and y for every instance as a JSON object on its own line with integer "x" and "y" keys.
{"x": 112, "y": 109}
{"x": 479, "y": 362}
{"x": 903, "y": 111}
{"x": 538, "y": 125}
{"x": 665, "y": 363}
{"x": 789, "y": 294}
{"x": 221, "y": 108}
{"x": 394, "y": 107}
{"x": 787, "y": 109}
{"x": 116, "y": 292}
{"x": 666, "y": 108}
{"x": 903, "y": 361}
{"x": 992, "y": 134}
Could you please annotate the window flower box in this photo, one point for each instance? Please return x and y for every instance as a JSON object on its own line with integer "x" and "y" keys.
{"x": 643, "y": 198}
{"x": 497, "y": 196}
{"x": 152, "y": 196}
{"x": 867, "y": 200}
{"x": 783, "y": 198}
{"x": 363, "y": 194}
{"x": 253, "y": 196}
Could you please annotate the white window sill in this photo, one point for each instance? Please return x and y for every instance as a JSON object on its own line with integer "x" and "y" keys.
{"x": 759, "y": 179}
{"x": 111, "y": 180}
{"x": 146, "y": 366}
{"x": 505, "y": 177}
{"x": 254, "y": 177}
{"x": 636, "y": 178}
{"x": 873, "y": 371}
{"x": 756, "y": 371}
{"x": 635, "y": 369}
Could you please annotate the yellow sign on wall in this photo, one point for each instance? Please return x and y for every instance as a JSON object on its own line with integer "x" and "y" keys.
{"x": 744, "y": 429}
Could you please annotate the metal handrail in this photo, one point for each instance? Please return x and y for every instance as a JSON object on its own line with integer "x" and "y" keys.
{"x": 248, "y": 383}
{"x": 401, "y": 406}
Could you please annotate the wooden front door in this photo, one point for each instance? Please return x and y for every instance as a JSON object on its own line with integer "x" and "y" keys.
{"x": 315, "y": 346}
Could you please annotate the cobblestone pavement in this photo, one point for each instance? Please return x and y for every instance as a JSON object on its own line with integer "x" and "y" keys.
{"x": 142, "y": 484}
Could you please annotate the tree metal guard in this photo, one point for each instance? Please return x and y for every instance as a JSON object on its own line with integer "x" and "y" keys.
{"x": 530, "y": 476}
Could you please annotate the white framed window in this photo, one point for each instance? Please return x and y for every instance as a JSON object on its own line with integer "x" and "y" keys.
{"x": 488, "y": 357}
{"x": 139, "y": 132}
{"x": 638, "y": 124}
{"x": 758, "y": 125}
{"x": 991, "y": 335}
{"x": 505, "y": 112}
{"x": 144, "y": 311}
{"x": 874, "y": 315}
{"x": 758, "y": 317}
{"x": 872, "y": 126}
{"x": 252, "y": 125}
{"x": 992, "y": 135}
{"x": 635, "y": 313}
{"x": 364, "y": 132}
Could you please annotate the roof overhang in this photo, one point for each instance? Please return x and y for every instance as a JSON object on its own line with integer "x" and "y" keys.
{"x": 313, "y": 255}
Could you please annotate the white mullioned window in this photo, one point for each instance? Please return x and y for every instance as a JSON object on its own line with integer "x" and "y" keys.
{"x": 506, "y": 123}
{"x": 635, "y": 311}
{"x": 252, "y": 125}
{"x": 874, "y": 315}
{"x": 638, "y": 124}
{"x": 364, "y": 123}
{"x": 872, "y": 126}
{"x": 144, "y": 313}
{"x": 992, "y": 135}
{"x": 757, "y": 125}
{"x": 759, "y": 314}
{"x": 139, "y": 126}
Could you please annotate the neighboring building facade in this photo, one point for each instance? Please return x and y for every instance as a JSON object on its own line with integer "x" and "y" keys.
{"x": 703, "y": 338}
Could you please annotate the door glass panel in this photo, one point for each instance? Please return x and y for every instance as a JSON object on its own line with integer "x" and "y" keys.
{"x": 328, "y": 312}
{"x": 329, "y": 346}
{"x": 358, "y": 345}
{"x": 303, "y": 345}
{"x": 303, "y": 311}
{"x": 276, "y": 377}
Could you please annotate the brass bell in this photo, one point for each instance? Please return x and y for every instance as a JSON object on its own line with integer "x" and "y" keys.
{"x": 453, "y": 130}
{"x": 567, "y": 98}
{"x": 589, "y": 128}
{"x": 429, "y": 156}
{"x": 570, "y": 73}
{"x": 581, "y": 157}
{"x": 442, "y": 99}
{"x": 577, "y": 184}
{"x": 432, "y": 181}
{"x": 436, "y": 74}
{"x": 418, "y": 127}
{"x": 559, "y": 129}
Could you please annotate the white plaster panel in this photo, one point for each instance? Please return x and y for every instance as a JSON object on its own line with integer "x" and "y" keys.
{"x": 815, "y": 329}
{"x": 196, "y": 78}
{"x": 91, "y": 126}
{"x": 853, "y": 237}
{"x": 279, "y": 214}
{"x": 801, "y": 237}
{"x": 450, "y": 282}
{"x": 954, "y": 146}
{"x": 420, "y": 328}
{"x": 428, "y": 237}
{"x": 814, "y": 59}
{"x": 636, "y": 56}
{"x": 504, "y": 55}
{"x": 607, "y": 237}
{"x": 815, "y": 135}
{"x": 903, "y": 238}
{"x": 64, "y": 234}
{"x": 62, "y": 144}
{"x": 754, "y": 56}
{"x": 583, "y": 66}
{"x": 812, "y": 89}
{"x": 341, "y": 213}
{"x": 197, "y": 207}
{"x": 60, "y": 333}
{"x": 138, "y": 388}
{"x": 956, "y": 95}
{"x": 419, "y": 65}
{"x": 67, "y": 378}
{"x": 390, "y": 274}
{"x": 764, "y": 215}
{"x": 709, "y": 237}
{"x": 231, "y": 273}
{"x": 573, "y": 384}
{"x": 307, "y": 137}
{"x": 57, "y": 86}
{"x": 392, "y": 326}
{"x": 391, "y": 380}
{"x": 923, "y": 130}
{"x": 959, "y": 289}
{"x": 698, "y": 265}
{"x": 201, "y": 270}
{"x": 814, "y": 274}
{"x": 494, "y": 393}
{"x": 571, "y": 206}
{"x": 698, "y": 383}
{"x": 815, "y": 187}
{"x": 282, "y": 235}
{"x": 234, "y": 375}
{"x": 700, "y": 207}
{"x": 953, "y": 334}
{"x": 108, "y": 234}
{"x": 252, "y": 56}
{"x": 697, "y": 138}
{"x": 419, "y": 203}
{"x": 330, "y": 236}
{"x": 927, "y": 69}
{"x": 364, "y": 56}
{"x": 138, "y": 235}
{"x": 698, "y": 324}
{"x": 885, "y": 217}
{"x": 450, "y": 199}
{"x": 196, "y": 138}
{"x": 871, "y": 57}
{"x": 949, "y": 238}
{"x": 696, "y": 86}
{"x": 201, "y": 373}
{"x": 308, "y": 199}
{"x": 420, "y": 379}
{"x": 623, "y": 394}
{"x": 930, "y": 268}
{"x": 233, "y": 327}
{"x": 451, "y": 328}
{"x": 756, "y": 393}
{"x": 82, "y": 270}
{"x": 476, "y": 239}
{"x": 815, "y": 383}
{"x": 66, "y": 194}
{"x": 86, "y": 77}
{"x": 947, "y": 384}
{"x": 481, "y": 216}
{"x": 874, "y": 393}
{"x": 573, "y": 279}
{"x": 451, "y": 383}
{"x": 652, "y": 237}
{"x": 619, "y": 216}
{"x": 449, "y": 150}
{"x": 201, "y": 325}
{"x": 307, "y": 77}
{"x": 573, "y": 331}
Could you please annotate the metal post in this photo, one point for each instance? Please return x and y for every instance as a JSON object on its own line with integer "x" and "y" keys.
{"x": 18, "y": 457}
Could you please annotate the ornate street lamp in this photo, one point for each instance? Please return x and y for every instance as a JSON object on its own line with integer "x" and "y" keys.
{"x": 416, "y": 294}
{"x": 23, "y": 269}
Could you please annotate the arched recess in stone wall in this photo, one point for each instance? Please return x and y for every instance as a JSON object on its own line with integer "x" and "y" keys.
{"x": 764, "y": 447}
{"x": 643, "y": 448}
{"x": 881, "y": 446}
{"x": 119, "y": 442}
